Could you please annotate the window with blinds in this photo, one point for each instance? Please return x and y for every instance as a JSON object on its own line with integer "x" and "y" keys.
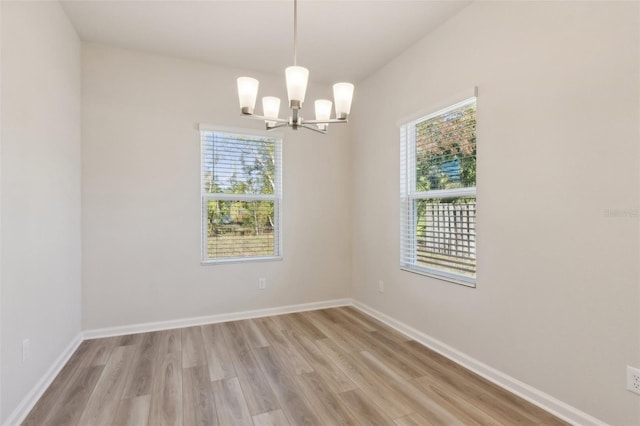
{"x": 438, "y": 194}
{"x": 241, "y": 196}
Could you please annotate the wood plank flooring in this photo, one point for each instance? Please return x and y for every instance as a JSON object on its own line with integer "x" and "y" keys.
{"x": 328, "y": 367}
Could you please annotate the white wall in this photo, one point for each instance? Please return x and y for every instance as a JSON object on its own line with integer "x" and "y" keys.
{"x": 141, "y": 199}
{"x": 557, "y": 291}
{"x": 40, "y": 191}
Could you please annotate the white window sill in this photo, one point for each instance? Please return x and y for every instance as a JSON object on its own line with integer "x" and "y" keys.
{"x": 211, "y": 262}
{"x": 443, "y": 276}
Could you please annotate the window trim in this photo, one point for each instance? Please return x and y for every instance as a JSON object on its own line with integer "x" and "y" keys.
{"x": 408, "y": 195}
{"x": 204, "y": 198}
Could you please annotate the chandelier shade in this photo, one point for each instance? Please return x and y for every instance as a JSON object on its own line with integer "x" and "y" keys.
{"x": 297, "y": 78}
{"x": 343, "y": 94}
{"x": 271, "y": 108}
{"x": 323, "y": 112}
{"x": 247, "y": 93}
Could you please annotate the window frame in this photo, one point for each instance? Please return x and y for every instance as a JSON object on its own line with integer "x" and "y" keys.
{"x": 409, "y": 195}
{"x": 276, "y": 197}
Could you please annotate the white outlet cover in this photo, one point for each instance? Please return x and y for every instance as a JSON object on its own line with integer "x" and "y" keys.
{"x": 633, "y": 379}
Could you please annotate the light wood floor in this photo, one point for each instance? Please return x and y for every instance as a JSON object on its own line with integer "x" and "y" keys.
{"x": 326, "y": 367}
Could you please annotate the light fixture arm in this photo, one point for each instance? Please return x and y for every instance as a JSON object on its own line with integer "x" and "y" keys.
{"x": 261, "y": 117}
{"x": 294, "y": 119}
{"x": 329, "y": 121}
{"x": 315, "y": 129}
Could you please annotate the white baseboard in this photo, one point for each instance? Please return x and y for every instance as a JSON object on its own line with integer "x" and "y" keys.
{"x": 26, "y": 405}
{"x": 212, "y": 319}
{"x": 523, "y": 390}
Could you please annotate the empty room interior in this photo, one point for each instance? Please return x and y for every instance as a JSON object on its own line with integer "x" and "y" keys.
{"x": 320, "y": 212}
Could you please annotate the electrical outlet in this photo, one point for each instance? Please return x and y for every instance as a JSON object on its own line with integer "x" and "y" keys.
{"x": 262, "y": 283}
{"x": 380, "y": 286}
{"x": 633, "y": 379}
{"x": 26, "y": 350}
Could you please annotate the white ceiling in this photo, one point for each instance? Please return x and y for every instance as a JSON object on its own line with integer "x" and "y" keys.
{"x": 337, "y": 40}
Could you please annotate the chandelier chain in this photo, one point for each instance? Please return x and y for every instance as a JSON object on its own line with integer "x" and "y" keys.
{"x": 295, "y": 32}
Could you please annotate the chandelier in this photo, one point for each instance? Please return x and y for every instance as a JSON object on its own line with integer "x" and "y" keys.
{"x": 296, "y": 78}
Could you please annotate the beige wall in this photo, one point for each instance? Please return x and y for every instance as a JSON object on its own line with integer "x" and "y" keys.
{"x": 557, "y": 300}
{"x": 40, "y": 192}
{"x": 557, "y": 292}
{"x": 141, "y": 199}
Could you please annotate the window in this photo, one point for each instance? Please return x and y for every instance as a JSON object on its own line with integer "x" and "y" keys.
{"x": 438, "y": 194}
{"x": 241, "y": 196}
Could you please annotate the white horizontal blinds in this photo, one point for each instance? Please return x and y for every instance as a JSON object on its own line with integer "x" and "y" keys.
{"x": 445, "y": 148}
{"x": 407, "y": 187}
{"x": 241, "y": 193}
{"x": 240, "y": 164}
{"x": 446, "y": 234}
{"x": 248, "y": 231}
{"x": 438, "y": 230}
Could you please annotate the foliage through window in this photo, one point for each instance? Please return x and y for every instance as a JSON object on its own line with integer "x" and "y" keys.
{"x": 241, "y": 195}
{"x": 438, "y": 194}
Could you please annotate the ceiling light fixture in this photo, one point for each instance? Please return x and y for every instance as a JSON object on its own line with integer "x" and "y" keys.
{"x": 296, "y": 78}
